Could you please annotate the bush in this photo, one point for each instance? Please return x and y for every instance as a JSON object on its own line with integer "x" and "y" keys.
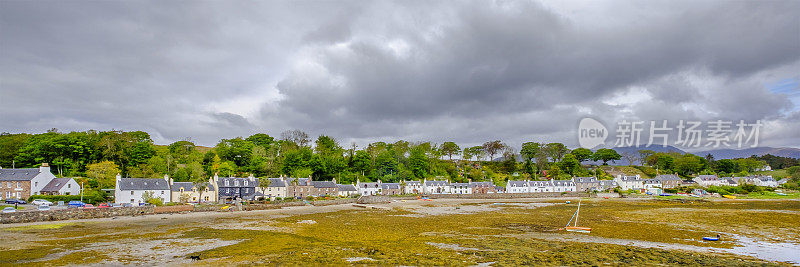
{"x": 87, "y": 198}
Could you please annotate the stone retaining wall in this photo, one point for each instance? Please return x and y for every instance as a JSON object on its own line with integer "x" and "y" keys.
{"x": 513, "y": 195}
{"x": 173, "y": 209}
{"x": 72, "y": 214}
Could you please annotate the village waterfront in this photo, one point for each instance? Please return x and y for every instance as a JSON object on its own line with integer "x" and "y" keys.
{"x": 465, "y": 232}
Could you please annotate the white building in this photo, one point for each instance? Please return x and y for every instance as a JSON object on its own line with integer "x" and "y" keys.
{"x": 436, "y": 187}
{"x": 347, "y": 190}
{"x": 540, "y": 186}
{"x": 513, "y": 186}
{"x": 708, "y": 180}
{"x": 412, "y": 187}
{"x": 62, "y": 186}
{"x": 369, "y": 189}
{"x": 629, "y": 182}
{"x": 275, "y": 189}
{"x": 131, "y": 190}
{"x": 765, "y": 181}
{"x": 23, "y": 183}
{"x": 563, "y": 185}
{"x": 461, "y": 188}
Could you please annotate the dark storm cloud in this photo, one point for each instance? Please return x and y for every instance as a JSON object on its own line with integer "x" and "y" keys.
{"x": 419, "y": 70}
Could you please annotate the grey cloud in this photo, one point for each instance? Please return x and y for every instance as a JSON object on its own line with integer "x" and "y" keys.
{"x": 466, "y": 71}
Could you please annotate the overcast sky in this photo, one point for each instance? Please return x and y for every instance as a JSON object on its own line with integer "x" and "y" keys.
{"x": 365, "y": 71}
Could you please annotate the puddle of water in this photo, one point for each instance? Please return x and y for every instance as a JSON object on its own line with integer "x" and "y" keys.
{"x": 357, "y": 259}
{"x": 785, "y": 252}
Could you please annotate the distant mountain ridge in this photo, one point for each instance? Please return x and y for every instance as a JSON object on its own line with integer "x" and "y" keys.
{"x": 725, "y": 153}
{"x": 788, "y": 152}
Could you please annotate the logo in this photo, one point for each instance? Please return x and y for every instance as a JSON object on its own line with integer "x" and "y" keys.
{"x": 591, "y": 133}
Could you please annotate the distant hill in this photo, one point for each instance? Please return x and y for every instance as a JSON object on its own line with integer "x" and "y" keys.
{"x": 788, "y": 152}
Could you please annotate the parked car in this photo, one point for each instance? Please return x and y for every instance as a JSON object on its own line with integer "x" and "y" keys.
{"x": 9, "y": 210}
{"x": 103, "y": 205}
{"x": 89, "y": 206}
{"x": 39, "y": 202}
{"x": 76, "y": 204}
{"x": 117, "y": 206}
{"x": 43, "y": 207}
{"x": 15, "y": 201}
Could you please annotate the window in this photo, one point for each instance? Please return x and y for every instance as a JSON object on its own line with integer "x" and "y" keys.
{"x": 18, "y": 186}
{"x": 162, "y": 192}
{"x": 69, "y": 186}
{"x": 181, "y": 189}
{"x": 235, "y": 183}
{"x": 227, "y": 183}
{"x": 36, "y": 184}
{"x": 131, "y": 192}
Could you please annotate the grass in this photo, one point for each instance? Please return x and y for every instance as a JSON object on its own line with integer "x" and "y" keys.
{"x": 39, "y": 226}
{"x": 772, "y": 195}
{"x": 6, "y": 206}
{"x": 508, "y": 235}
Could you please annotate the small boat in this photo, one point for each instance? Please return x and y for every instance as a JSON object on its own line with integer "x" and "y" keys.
{"x": 729, "y": 196}
{"x": 708, "y": 238}
{"x": 575, "y": 227}
{"x": 781, "y": 194}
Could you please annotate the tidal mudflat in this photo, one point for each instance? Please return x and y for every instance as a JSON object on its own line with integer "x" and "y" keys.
{"x": 438, "y": 232}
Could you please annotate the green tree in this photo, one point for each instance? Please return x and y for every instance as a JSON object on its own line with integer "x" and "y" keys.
{"x": 530, "y": 150}
{"x": 260, "y": 139}
{"x": 569, "y": 164}
{"x": 606, "y": 155}
{"x": 418, "y": 163}
{"x": 582, "y": 154}
{"x": 450, "y": 148}
{"x": 104, "y": 173}
{"x": 493, "y": 147}
{"x": 555, "y": 151}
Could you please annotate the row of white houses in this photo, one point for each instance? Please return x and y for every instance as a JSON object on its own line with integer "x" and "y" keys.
{"x": 713, "y": 180}
{"x": 576, "y": 184}
{"x": 427, "y": 187}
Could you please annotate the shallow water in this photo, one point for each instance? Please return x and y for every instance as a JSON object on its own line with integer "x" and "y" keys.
{"x": 785, "y": 252}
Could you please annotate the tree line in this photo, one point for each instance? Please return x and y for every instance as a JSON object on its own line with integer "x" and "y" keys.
{"x": 98, "y": 156}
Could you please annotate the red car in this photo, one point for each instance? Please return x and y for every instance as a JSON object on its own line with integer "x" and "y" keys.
{"x": 103, "y": 205}
{"x": 89, "y": 206}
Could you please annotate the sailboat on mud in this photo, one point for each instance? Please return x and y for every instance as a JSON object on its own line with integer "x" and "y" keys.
{"x": 575, "y": 227}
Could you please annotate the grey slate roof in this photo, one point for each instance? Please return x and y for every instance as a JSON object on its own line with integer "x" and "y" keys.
{"x": 436, "y": 183}
{"x": 18, "y": 174}
{"x": 481, "y": 184}
{"x": 460, "y": 184}
{"x": 631, "y": 178}
{"x": 187, "y": 186}
{"x": 587, "y": 180}
{"x": 390, "y": 186}
{"x": 276, "y": 182}
{"x": 766, "y": 178}
{"x": 708, "y": 177}
{"x": 730, "y": 181}
{"x": 56, "y": 184}
{"x": 668, "y": 177}
{"x": 300, "y": 181}
{"x": 563, "y": 182}
{"x": 232, "y": 182}
{"x": 539, "y": 183}
{"x": 512, "y": 183}
{"x": 143, "y": 184}
{"x": 368, "y": 185}
{"x": 413, "y": 183}
{"x": 323, "y": 184}
{"x": 346, "y": 187}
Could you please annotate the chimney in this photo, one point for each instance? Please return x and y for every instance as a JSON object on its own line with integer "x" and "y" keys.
{"x": 119, "y": 177}
{"x": 44, "y": 168}
{"x": 166, "y": 178}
